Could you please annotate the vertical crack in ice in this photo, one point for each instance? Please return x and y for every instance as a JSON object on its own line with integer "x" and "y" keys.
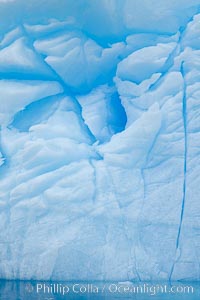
{"x": 184, "y": 115}
{"x": 185, "y": 153}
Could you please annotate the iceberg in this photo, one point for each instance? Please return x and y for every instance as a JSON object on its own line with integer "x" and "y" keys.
{"x": 100, "y": 140}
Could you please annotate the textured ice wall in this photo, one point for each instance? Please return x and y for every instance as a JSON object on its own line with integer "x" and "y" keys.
{"x": 100, "y": 139}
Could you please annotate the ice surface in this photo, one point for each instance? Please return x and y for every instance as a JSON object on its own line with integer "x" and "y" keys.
{"x": 100, "y": 140}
